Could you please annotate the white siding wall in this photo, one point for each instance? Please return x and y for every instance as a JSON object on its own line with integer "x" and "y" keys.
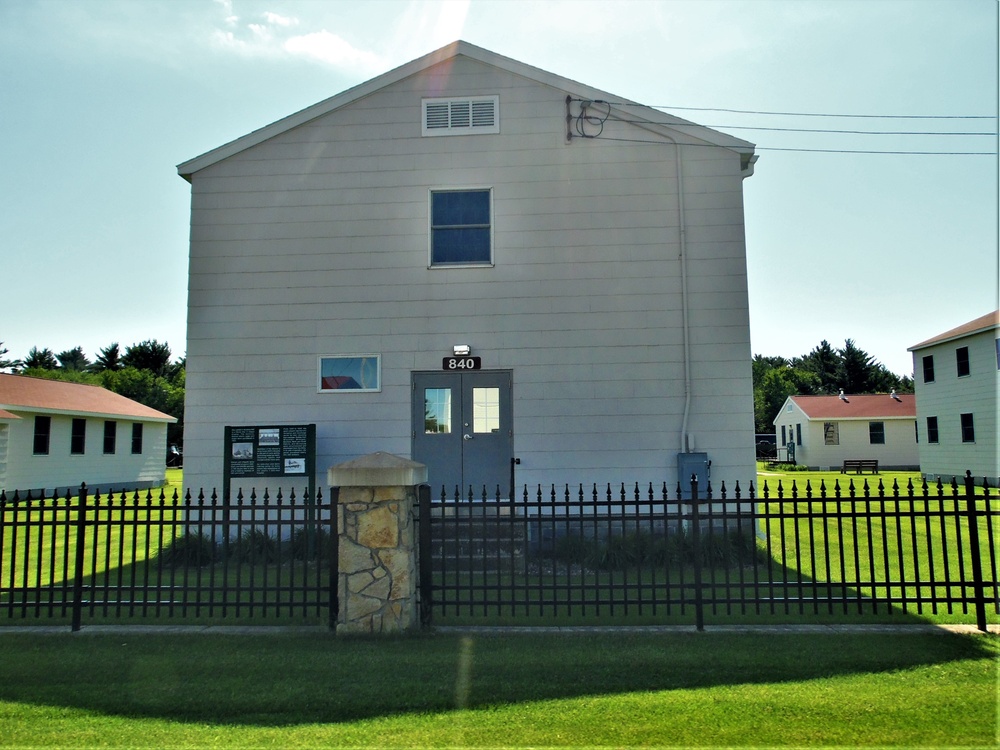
{"x": 60, "y": 470}
{"x": 316, "y": 243}
{"x": 948, "y": 397}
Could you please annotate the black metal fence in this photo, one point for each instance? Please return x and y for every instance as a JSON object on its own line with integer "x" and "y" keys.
{"x": 153, "y": 555}
{"x": 793, "y": 553}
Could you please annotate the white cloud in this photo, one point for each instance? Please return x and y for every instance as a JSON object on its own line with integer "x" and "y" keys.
{"x": 275, "y": 20}
{"x": 332, "y": 49}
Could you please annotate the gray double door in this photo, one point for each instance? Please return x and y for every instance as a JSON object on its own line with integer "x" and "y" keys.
{"x": 462, "y": 430}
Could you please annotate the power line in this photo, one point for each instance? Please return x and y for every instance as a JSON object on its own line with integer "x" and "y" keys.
{"x": 825, "y": 130}
{"x": 799, "y": 114}
{"x": 813, "y": 150}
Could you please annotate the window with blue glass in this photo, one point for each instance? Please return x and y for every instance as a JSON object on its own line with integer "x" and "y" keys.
{"x": 461, "y": 230}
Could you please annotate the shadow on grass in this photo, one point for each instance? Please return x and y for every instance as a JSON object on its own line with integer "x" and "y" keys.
{"x": 280, "y": 681}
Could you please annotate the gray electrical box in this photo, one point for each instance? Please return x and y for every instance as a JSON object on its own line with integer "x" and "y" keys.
{"x": 696, "y": 464}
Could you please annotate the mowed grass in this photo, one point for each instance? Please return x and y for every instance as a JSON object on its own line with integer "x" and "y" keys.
{"x": 678, "y": 690}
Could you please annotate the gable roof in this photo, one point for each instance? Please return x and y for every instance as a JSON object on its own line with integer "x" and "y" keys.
{"x": 23, "y": 393}
{"x": 980, "y": 324}
{"x": 868, "y": 406}
{"x": 637, "y": 112}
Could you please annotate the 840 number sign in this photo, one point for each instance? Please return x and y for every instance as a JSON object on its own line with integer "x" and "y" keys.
{"x": 462, "y": 363}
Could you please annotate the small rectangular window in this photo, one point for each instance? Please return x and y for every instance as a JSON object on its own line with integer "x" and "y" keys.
{"x": 831, "y": 433}
{"x": 798, "y": 434}
{"x": 110, "y": 437}
{"x": 43, "y": 430}
{"x": 929, "y": 368}
{"x": 876, "y": 433}
{"x": 461, "y": 228}
{"x": 784, "y": 437}
{"x": 968, "y": 429}
{"x": 137, "y": 439}
{"x": 932, "y": 430}
{"x": 78, "y": 437}
{"x": 962, "y": 361}
{"x": 354, "y": 373}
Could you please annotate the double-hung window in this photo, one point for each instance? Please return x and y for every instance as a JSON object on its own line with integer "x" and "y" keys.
{"x": 43, "y": 431}
{"x": 929, "y": 368}
{"x": 968, "y": 428}
{"x": 932, "y": 429}
{"x": 110, "y": 437}
{"x": 962, "y": 361}
{"x": 461, "y": 227}
{"x": 78, "y": 437}
{"x": 876, "y": 433}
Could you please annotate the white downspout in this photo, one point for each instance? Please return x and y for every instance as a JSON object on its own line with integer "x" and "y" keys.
{"x": 684, "y": 299}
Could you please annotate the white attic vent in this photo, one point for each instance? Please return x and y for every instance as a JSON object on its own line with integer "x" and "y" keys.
{"x": 468, "y": 116}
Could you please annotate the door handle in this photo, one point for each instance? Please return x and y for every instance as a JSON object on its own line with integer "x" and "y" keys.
{"x": 466, "y": 436}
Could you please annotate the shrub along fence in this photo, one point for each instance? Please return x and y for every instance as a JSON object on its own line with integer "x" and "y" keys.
{"x": 601, "y": 552}
{"x": 152, "y": 555}
{"x": 554, "y": 555}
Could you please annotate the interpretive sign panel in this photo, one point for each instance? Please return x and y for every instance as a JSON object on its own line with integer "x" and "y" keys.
{"x": 271, "y": 451}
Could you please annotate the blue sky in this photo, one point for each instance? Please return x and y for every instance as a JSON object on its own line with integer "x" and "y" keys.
{"x": 101, "y": 99}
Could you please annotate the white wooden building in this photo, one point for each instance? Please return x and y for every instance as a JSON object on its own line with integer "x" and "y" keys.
{"x": 821, "y": 432}
{"x": 56, "y": 435}
{"x": 957, "y": 378}
{"x": 480, "y": 265}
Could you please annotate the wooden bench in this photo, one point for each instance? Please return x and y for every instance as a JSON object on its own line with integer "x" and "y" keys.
{"x": 859, "y": 465}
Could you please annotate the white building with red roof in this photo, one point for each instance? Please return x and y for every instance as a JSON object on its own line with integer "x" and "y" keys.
{"x": 822, "y": 432}
{"x": 957, "y": 378}
{"x": 56, "y": 435}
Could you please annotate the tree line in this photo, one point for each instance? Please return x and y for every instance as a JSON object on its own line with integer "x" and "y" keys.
{"x": 144, "y": 372}
{"x": 823, "y": 371}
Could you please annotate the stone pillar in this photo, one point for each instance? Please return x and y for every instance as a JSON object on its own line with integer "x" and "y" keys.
{"x": 377, "y": 585}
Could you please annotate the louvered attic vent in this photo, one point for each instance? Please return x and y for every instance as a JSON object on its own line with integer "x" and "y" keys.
{"x": 479, "y": 114}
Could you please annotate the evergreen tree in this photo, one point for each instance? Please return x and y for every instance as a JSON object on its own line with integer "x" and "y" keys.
{"x": 109, "y": 358}
{"x": 73, "y": 359}
{"x": 149, "y": 355}
{"x": 40, "y": 359}
{"x": 7, "y": 364}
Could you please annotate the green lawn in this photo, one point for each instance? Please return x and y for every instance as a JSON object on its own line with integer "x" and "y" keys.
{"x": 738, "y": 690}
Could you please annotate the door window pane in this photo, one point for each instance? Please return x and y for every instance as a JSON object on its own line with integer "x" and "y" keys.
{"x": 485, "y": 410}
{"x": 437, "y": 410}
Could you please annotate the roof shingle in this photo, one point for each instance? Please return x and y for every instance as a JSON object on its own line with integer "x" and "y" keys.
{"x": 20, "y": 393}
{"x": 868, "y": 406}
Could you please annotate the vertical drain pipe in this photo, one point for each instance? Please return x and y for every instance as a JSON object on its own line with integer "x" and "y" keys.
{"x": 685, "y": 323}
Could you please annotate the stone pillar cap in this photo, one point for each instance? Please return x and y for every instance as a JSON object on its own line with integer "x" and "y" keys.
{"x": 377, "y": 470}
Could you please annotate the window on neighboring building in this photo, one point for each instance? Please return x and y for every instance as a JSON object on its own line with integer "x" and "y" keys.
{"x": 831, "y": 433}
{"x": 962, "y": 361}
{"x": 929, "y": 368}
{"x": 876, "y": 433}
{"x": 968, "y": 429}
{"x": 784, "y": 437}
{"x": 43, "y": 430}
{"x": 78, "y": 437}
{"x": 798, "y": 434}
{"x": 110, "y": 437}
{"x": 932, "y": 430}
{"x": 461, "y": 231}
{"x": 137, "y": 438}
